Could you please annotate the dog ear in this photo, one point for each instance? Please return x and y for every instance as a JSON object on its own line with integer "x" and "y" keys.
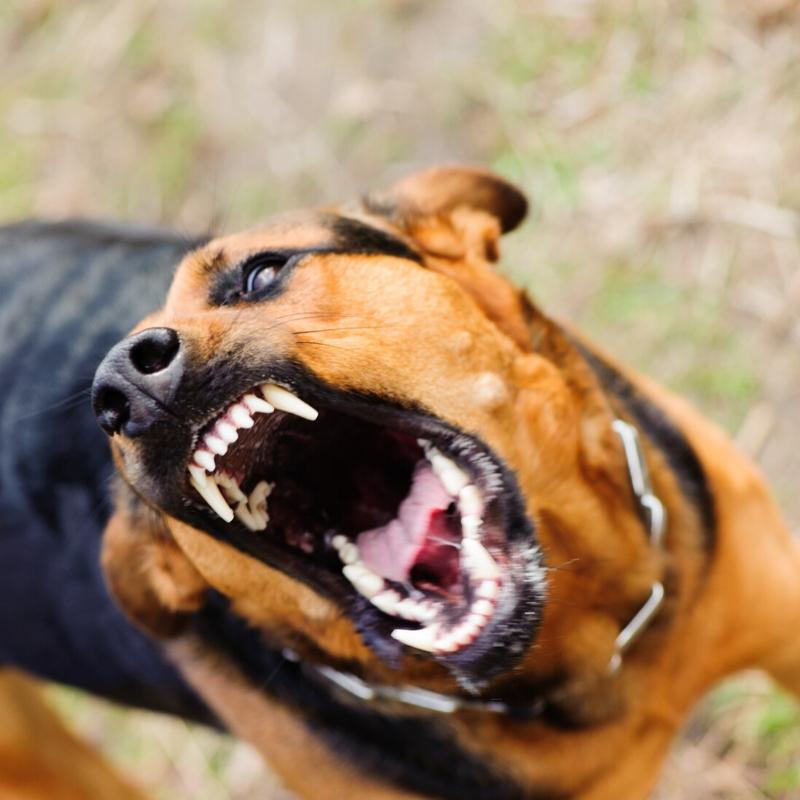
{"x": 452, "y": 211}
{"x": 145, "y": 570}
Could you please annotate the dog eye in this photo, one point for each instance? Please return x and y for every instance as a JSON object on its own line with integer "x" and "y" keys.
{"x": 262, "y": 271}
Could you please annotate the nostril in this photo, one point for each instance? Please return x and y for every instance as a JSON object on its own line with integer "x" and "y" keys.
{"x": 156, "y": 351}
{"x": 113, "y": 409}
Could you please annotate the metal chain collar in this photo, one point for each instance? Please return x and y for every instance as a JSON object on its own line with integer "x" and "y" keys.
{"x": 655, "y": 517}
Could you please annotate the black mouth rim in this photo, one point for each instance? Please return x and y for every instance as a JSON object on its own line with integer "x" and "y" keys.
{"x": 515, "y": 620}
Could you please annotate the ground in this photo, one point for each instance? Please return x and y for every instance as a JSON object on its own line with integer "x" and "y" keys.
{"x": 659, "y": 142}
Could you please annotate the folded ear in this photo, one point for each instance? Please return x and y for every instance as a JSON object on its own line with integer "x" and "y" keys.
{"x": 146, "y": 572}
{"x": 450, "y": 210}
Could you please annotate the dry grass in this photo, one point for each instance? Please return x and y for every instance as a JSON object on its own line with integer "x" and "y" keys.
{"x": 660, "y": 141}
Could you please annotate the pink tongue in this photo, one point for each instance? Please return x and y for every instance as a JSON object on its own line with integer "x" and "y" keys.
{"x": 392, "y": 549}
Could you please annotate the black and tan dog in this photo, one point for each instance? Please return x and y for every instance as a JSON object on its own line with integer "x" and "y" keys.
{"x": 412, "y": 538}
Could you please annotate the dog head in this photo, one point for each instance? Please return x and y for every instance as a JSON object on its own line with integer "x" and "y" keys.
{"x": 353, "y": 427}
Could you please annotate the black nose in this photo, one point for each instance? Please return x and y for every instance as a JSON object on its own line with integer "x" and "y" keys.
{"x": 136, "y": 381}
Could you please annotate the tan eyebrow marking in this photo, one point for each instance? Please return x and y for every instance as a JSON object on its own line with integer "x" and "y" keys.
{"x": 210, "y": 263}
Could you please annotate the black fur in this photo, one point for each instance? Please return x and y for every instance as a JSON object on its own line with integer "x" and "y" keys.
{"x": 662, "y": 432}
{"x": 70, "y": 291}
{"x": 416, "y": 754}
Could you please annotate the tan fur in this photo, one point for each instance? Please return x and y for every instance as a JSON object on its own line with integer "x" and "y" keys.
{"x": 40, "y": 759}
{"x": 485, "y": 359}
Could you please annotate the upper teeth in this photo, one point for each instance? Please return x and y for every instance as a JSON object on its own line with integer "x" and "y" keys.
{"x": 284, "y": 400}
{"x": 252, "y": 511}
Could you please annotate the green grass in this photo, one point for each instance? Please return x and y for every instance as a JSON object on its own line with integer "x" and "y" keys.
{"x": 630, "y": 126}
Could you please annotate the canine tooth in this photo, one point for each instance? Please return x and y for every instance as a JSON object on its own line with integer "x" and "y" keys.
{"x": 365, "y": 582}
{"x": 207, "y": 488}
{"x": 284, "y": 400}
{"x": 247, "y": 519}
{"x": 387, "y": 601}
{"x": 470, "y": 500}
{"x": 471, "y": 525}
{"x": 483, "y": 608}
{"x": 255, "y": 405}
{"x": 488, "y": 590}
{"x": 481, "y": 564}
{"x": 348, "y": 552}
{"x": 226, "y": 432}
{"x": 422, "y": 639}
{"x": 339, "y": 541}
{"x": 240, "y": 416}
{"x": 215, "y": 445}
{"x": 230, "y": 487}
{"x": 205, "y": 459}
{"x": 453, "y": 478}
{"x": 423, "y": 443}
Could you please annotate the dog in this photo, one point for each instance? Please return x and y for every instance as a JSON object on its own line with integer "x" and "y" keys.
{"x": 405, "y": 533}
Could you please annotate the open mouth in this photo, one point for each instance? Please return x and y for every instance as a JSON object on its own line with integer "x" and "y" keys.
{"x": 414, "y": 527}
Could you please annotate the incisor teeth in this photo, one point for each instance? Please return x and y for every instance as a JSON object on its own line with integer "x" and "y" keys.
{"x": 205, "y": 460}
{"x": 226, "y": 432}
{"x": 255, "y": 405}
{"x": 207, "y": 488}
{"x": 240, "y": 416}
{"x": 284, "y": 400}
{"x": 216, "y": 445}
{"x": 423, "y": 639}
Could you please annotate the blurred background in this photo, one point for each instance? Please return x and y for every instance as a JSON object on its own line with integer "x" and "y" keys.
{"x": 659, "y": 142}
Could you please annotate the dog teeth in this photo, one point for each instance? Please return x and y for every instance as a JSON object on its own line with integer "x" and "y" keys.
{"x": 255, "y": 405}
{"x": 348, "y": 552}
{"x": 479, "y": 563}
{"x": 470, "y": 501}
{"x": 226, "y": 432}
{"x": 207, "y": 488}
{"x": 240, "y": 416}
{"x": 284, "y": 400}
{"x": 425, "y": 639}
{"x": 386, "y": 601}
{"x": 483, "y": 608}
{"x": 204, "y": 459}
{"x": 453, "y": 478}
{"x": 488, "y": 590}
{"x": 248, "y": 519}
{"x": 364, "y": 580}
{"x": 215, "y": 444}
{"x": 471, "y": 526}
{"x": 230, "y": 487}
